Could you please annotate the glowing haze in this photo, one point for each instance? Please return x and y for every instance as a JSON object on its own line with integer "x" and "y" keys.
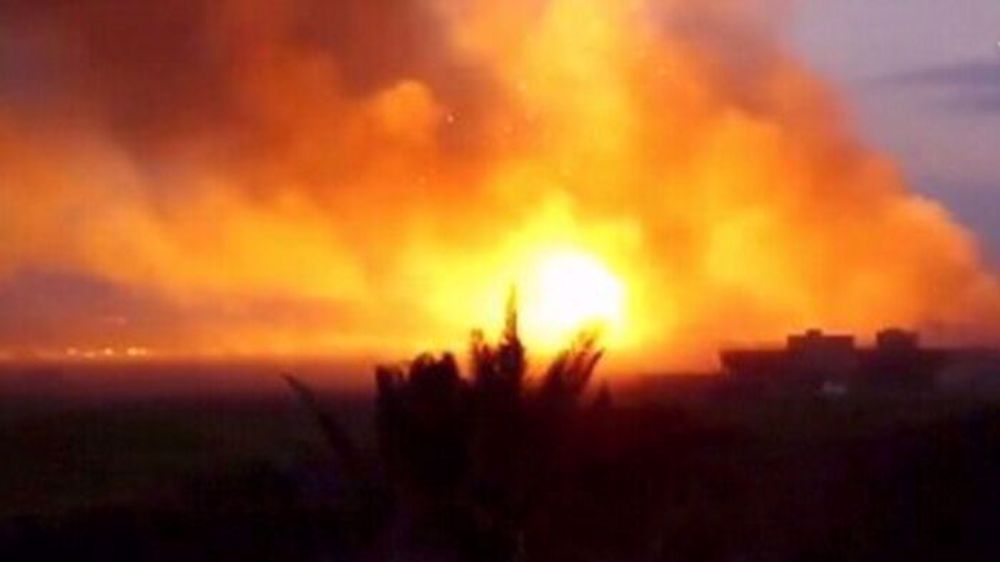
{"x": 662, "y": 167}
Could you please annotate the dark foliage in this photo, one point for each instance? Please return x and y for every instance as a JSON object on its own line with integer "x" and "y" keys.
{"x": 497, "y": 461}
{"x": 467, "y": 459}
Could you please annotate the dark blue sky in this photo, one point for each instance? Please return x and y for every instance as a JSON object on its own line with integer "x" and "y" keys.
{"x": 922, "y": 80}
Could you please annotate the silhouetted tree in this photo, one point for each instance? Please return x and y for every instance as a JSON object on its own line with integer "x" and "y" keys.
{"x": 468, "y": 460}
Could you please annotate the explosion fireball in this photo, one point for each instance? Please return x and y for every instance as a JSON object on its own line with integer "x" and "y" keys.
{"x": 567, "y": 292}
{"x": 335, "y": 177}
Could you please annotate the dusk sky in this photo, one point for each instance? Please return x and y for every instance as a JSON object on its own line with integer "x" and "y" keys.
{"x": 923, "y": 81}
{"x": 311, "y": 176}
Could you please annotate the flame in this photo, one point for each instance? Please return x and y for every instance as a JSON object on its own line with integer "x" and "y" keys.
{"x": 355, "y": 175}
{"x": 567, "y": 291}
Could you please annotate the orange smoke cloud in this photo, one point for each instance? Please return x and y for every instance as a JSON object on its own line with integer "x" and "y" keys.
{"x": 403, "y": 163}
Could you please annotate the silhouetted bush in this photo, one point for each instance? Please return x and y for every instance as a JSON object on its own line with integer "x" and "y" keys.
{"x": 467, "y": 460}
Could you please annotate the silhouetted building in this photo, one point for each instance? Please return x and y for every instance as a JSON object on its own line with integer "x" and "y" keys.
{"x": 822, "y": 356}
{"x": 826, "y": 362}
{"x": 898, "y": 361}
{"x": 894, "y": 340}
{"x": 808, "y": 360}
{"x": 972, "y": 370}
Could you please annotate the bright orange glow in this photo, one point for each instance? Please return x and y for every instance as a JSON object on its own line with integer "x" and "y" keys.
{"x": 569, "y": 291}
{"x": 375, "y": 180}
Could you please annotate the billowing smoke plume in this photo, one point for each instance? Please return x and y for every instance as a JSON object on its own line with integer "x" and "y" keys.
{"x": 394, "y": 163}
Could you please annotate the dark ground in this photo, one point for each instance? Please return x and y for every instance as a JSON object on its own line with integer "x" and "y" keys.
{"x": 235, "y": 469}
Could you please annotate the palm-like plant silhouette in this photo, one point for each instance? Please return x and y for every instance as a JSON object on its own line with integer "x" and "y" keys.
{"x": 466, "y": 460}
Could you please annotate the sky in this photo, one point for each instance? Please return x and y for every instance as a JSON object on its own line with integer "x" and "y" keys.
{"x": 922, "y": 79}
{"x": 280, "y": 177}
